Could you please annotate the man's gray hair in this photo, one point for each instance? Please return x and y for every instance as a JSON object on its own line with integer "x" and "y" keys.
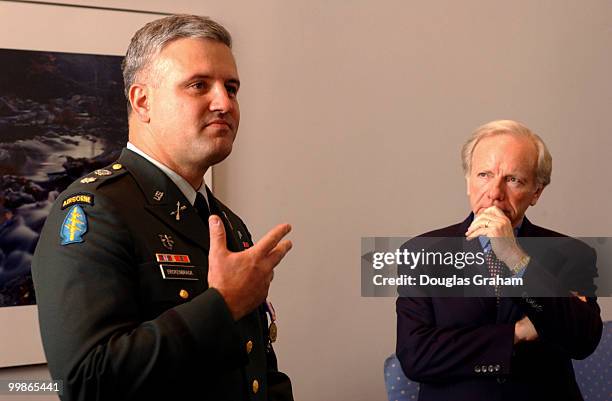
{"x": 498, "y": 127}
{"x": 151, "y": 39}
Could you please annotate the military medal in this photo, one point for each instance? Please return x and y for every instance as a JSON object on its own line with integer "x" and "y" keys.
{"x": 273, "y": 332}
{"x": 272, "y": 329}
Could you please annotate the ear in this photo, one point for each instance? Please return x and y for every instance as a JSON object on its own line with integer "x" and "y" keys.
{"x": 139, "y": 100}
{"x": 536, "y": 195}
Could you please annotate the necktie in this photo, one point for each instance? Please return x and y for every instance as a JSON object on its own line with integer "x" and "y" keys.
{"x": 496, "y": 268}
{"x": 202, "y": 207}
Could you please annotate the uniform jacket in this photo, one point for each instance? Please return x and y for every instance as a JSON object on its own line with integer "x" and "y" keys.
{"x": 124, "y": 306}
{"x": 462, "y": 348}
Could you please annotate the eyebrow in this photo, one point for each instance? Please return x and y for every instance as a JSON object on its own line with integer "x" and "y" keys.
{"x": 234, "y": 81}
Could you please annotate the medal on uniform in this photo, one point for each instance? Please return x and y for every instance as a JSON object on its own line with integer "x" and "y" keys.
{"x": 272, "y": 329}
{"x": 273, "y": 332}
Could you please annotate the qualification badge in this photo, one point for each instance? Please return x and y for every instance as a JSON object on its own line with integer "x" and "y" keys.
{"x": 74, "y": 226}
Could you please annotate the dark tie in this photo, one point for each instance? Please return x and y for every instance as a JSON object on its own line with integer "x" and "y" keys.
{"x": 202, "y": 207}
{"x": 496, "y": 268}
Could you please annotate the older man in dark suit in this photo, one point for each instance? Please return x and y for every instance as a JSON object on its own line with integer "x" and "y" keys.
{"x": 491, "y": 348}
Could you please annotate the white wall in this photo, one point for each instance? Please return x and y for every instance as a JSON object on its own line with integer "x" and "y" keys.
{"x": 353, "y": 114}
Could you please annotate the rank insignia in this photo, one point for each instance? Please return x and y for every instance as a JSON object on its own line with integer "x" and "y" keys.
{"x": 166, "y": 241}
{"x": 102, "y": 172}
{"x": 74, "y": 226}
{"x": 82, "y": 198}
{"x": 88, "y": 180}
{"x": 117, "y": 166}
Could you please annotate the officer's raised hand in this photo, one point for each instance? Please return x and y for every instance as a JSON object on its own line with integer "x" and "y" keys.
{"x": 243, "y": 278}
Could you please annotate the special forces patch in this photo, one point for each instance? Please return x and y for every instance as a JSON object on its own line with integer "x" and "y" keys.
{"x": 74, "y": 226}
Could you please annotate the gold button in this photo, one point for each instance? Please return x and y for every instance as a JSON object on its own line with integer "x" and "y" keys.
{"x": 183, "y": 294}
{"x": 255, "y": 386}
{"x": 249, "y": 346}
{"x": 117, "y": 166}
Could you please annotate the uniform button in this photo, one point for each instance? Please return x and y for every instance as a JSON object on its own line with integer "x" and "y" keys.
{"x": 255, "y": 386}
{"x": 249, "y": 346}
{"x": 483, "y": 369}
{"x": 477, "y": 369}
{"x": 117, "y": 166}
{"x": 183, "y": 294}
{"x": 497, "y": 367}
{"x": 491, "y": 368}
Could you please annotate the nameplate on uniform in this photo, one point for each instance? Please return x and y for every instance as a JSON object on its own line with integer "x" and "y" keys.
{"x": 178, "y": 272}
{"x": 171, "y": 258}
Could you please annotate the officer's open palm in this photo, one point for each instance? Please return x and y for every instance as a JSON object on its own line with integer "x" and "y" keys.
{"x": 243, "y": 278}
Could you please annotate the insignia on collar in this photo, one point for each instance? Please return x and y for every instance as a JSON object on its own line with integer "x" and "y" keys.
{"x": 74, "y": 226}
{"x": 83, "y": 198}
{"x": 88, "y": 180}
{"x": 117, "y": 166}
{"x": 177, "y": 212}
{"x": 158, "y": 195}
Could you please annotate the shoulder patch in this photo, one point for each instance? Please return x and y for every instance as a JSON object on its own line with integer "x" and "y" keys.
{"x": 74, "y": 226}
{"x": 81, "y": 197}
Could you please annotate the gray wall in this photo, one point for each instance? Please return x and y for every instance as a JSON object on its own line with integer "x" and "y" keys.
{"x": 353, "y": 114}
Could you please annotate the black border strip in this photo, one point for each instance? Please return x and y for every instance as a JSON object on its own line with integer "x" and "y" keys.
{"x": 50, "y": 3}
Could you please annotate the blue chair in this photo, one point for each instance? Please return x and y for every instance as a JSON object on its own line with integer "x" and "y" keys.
{"x": 593, "y": 373}
{"x": 399, "y": 388}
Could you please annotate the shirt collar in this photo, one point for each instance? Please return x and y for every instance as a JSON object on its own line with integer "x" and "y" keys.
{"x": 179, "y": 181}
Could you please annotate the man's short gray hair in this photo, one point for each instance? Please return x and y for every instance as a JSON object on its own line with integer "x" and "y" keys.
{"x": 498, "y": 127}
{"x": 151, "y": 39}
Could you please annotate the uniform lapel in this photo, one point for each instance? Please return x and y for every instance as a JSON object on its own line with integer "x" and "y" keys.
{"x": 230, "y": 227}
{"x": 153, "y": 182}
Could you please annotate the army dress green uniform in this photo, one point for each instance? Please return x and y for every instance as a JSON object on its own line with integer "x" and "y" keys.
{"x": 124, "y": 307}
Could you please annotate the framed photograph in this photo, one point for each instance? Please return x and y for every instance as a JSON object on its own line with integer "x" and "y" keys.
{"x": 62, "y": 115}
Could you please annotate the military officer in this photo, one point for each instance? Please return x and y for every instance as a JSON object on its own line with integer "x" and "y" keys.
{"x": 147, "y": 285}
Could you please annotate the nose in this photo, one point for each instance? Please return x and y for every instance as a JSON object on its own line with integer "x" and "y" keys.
{"x": 496, "y": 190}
{"x": 221, "y": 100}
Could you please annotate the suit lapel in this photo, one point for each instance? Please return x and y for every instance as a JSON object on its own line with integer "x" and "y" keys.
{"x": 473, "y": 246}
{"x": 153, "y": 182}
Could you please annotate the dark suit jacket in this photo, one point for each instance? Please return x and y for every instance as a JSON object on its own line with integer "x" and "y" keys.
{"x": 114, "y": 328}
{"x": 462, "y": 348}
